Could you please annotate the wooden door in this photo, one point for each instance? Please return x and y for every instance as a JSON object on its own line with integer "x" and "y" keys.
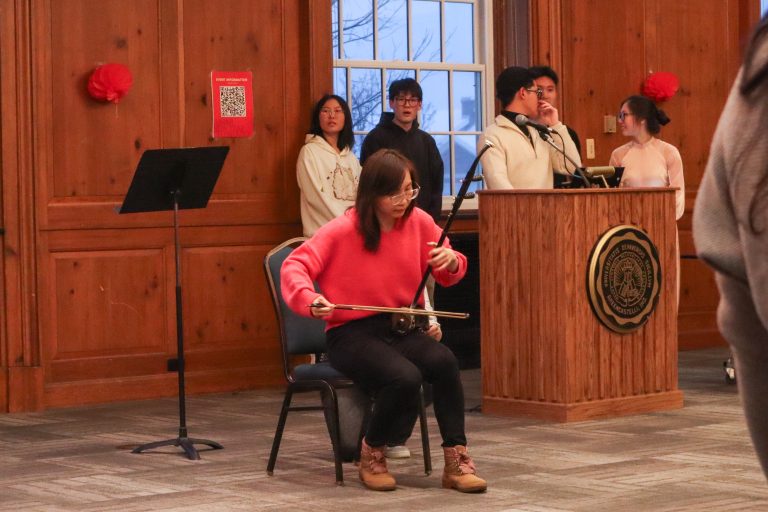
{"x": 95, "y": 317}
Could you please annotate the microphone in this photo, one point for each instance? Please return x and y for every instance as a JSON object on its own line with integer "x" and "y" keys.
{"x": 522, "y": 120}
{"x": 602, "y": 170}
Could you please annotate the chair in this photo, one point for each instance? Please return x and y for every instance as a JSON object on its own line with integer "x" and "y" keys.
{"x": 299, "y": 336}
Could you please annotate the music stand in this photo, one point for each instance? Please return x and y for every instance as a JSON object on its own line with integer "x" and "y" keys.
{"x": 176, "y": 179}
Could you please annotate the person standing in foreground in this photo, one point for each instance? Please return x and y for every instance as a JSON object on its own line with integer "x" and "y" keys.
{"x": 375, "y": 254}
{"x": 520, "y": 158}
{"x": 730, "y": 228}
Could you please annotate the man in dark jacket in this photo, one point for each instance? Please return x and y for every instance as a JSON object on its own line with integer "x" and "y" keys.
{"x": 399, "y": 130}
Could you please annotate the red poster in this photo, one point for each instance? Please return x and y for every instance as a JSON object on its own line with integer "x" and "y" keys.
{"x": 232, "y": 93}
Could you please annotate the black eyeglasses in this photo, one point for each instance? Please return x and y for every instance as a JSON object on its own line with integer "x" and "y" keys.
{"x": 410, "y": 101}
{"x": 622, "y": 115}
{"x": 539, "y": 92}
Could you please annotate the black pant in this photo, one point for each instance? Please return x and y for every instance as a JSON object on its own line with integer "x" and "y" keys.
{"x": 392, "y": 368}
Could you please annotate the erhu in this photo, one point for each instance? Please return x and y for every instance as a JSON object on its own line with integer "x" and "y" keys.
{"x": 411, "y": 318}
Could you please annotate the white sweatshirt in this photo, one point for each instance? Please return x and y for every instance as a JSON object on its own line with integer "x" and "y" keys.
{"x": 328, "y": 182}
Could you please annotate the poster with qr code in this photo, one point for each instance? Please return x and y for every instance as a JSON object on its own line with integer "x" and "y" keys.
{"x": 232, "y": 93}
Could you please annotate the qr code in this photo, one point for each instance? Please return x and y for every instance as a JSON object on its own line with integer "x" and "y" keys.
{"x": 232, "y": 99}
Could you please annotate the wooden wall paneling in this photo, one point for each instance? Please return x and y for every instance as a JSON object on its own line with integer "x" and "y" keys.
{"x": 74, "y": 167}
{"x": 20, "y": 351}
{"x": 111, "y": 325}
{"x": 7, "y": 141}
{"x": 602, "y": 58}
{"x": 607, "y": 49}
{"x": 95, "y": 145}
{"x": 232, "y": 38}
{"x": 700, "y": 44}
{"x": 547, "y": 25}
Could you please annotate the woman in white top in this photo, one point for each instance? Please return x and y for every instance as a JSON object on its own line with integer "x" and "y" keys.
{"x": 327, "y": 170}
{"x": 648, "y": 161}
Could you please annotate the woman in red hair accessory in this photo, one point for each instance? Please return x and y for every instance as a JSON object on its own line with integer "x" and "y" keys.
{"x": 647, "y": 160}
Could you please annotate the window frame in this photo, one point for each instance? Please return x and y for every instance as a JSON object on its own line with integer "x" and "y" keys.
{"x": 484, "y": 63}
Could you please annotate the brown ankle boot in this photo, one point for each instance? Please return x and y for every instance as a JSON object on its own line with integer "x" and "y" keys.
{"x": 373, "y": 469}
{"x": 459, "y": 471}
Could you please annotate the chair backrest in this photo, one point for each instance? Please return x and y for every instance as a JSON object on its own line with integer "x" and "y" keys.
{"x": 298, "y": 334}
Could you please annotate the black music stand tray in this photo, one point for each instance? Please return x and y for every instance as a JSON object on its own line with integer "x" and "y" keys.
{"x": 176, "y": 179}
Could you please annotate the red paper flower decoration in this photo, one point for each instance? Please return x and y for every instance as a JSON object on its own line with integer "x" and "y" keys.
{"x": 661, "y": 86}
{"x": 110, "y": 82}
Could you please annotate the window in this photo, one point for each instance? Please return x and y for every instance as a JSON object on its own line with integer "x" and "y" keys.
{"x": 444, "y": 44}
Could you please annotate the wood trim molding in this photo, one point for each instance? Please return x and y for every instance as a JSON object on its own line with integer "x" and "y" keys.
{"x": 546, "y": 41}
{"x": 18, "y": 186}
{"x": 320, "y": 47}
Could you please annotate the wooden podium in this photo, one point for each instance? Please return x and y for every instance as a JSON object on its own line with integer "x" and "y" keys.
{"x": 544, "y": 353}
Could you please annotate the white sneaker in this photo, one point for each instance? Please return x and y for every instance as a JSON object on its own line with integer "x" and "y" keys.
{"x": 398, "y": 452}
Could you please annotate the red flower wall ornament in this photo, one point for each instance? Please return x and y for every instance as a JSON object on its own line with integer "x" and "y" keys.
{"x": 110, "y": 82}
{"x": 661, "y": 86}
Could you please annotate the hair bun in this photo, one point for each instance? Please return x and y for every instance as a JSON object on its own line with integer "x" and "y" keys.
{"x": 662, "y": 117}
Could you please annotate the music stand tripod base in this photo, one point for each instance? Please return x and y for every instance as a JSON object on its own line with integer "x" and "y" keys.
{"x": 185, "y": 443}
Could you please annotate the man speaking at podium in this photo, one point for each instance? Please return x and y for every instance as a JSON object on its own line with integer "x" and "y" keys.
{"x": 520, "y": 157}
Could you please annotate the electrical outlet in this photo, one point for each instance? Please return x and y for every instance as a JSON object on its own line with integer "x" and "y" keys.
{"x": 609, "y": 124}
{"x": 590, "y": 149}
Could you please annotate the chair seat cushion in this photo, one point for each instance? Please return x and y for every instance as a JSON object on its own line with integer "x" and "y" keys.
{"x": 318, "y": 371}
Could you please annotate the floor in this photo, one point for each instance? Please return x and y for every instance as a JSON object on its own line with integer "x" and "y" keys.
{"x": 693, "y": 459}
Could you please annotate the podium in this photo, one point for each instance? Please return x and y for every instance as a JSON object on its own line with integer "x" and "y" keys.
{"x": 545, "y": 352}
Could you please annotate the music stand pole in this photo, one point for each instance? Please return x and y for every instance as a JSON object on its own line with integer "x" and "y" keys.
{"x": 183, "y": 441}
{"x": 174, "y": 179}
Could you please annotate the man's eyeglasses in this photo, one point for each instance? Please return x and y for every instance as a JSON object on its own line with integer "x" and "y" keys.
{"x": 410, "y": 101}
{"x": 329, "y": 111}
{"x": 403, "y": 197}
{"x": 539, "y": 92}
{"x": 622, "y": 115}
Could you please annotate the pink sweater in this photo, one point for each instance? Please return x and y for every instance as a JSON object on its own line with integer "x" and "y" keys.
{"x": 348, "y": 274}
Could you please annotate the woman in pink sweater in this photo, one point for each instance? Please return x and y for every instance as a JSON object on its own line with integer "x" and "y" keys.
{"x": 375, "y": 254}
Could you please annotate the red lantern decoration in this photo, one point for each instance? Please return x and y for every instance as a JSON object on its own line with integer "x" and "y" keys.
{"x": 661, "y": 86}
{"x": 110, "y": 82}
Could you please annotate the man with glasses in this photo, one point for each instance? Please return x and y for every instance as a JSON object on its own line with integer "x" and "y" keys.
{"x": 400, "y": 130}
{"x": 520, "y": 158}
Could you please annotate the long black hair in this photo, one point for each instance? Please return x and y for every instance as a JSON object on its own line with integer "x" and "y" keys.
{"x": 382, "y": 175}
{"x": 346, "y": 136}
{"x": 644, "y": 109}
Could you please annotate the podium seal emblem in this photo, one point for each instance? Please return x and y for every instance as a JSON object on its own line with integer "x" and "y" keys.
{"x": 623, "y": 278}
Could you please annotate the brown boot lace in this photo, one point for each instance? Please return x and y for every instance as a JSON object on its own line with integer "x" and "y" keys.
{"x": 462, "y": 462}
{"x": 374, "y": 458}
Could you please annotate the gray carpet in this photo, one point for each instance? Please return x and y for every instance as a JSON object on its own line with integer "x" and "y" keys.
{"x": 696, "y": 458}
